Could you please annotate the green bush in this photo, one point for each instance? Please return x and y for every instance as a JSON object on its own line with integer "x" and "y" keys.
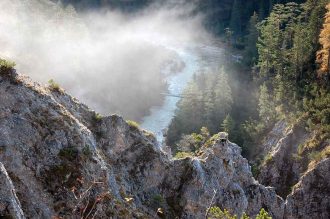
{"x": 132, "y": 124}
{"x": 216, "y": 213}
{"x": 97, "y": 117}
{"x": 158, "y": 199}
{"x": 182, "y": 154}
{"x": 263, "y": 214}
{"x": 268, "y": 158}
{"x": 87, "y": 151}
{"x": 4, "y": 64}
{"x": 69, "y": 153}
{"x": 54, "y": 86}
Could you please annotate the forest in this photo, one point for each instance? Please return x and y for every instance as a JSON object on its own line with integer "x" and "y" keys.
{"x": 284, "y": 75}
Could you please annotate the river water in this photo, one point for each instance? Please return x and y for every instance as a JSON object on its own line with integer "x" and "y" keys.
{"x": 196, "y": 58}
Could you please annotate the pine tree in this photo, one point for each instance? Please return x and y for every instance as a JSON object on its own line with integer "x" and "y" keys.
{"x": 251, "y": 52}
{"x": 228, "y": 124}
{"x": 235, "y": 18}
{"x": 223, "y": 98}
{"x": 266, "y": 106}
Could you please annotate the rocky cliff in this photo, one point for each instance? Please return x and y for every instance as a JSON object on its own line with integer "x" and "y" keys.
{"x": 288, "y": 169}
{"x": 60, "y": 159}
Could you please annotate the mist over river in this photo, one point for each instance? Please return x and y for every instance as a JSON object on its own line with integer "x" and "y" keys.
{"x": 196, "y": 58}
{"x": 116, "y": 63}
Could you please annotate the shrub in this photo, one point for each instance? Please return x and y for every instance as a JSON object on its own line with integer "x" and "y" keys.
{"x": 158, "y": 200}
{"x": 87, "y": 151}
{"x": 217, "y": 213}
{"x": 263, "y": 214}
{"x": 132, "y": 124}
{"x": 4, "y": 64}
{"x": 268, "y": 158}
{"x": 54, "y": 86}
{"x": 69, "y": 153}
{"x": 97, "y": 117}
{"x": 182, "y": 155}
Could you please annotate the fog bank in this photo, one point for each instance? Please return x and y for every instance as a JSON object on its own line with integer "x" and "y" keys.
{"x": 109, "y": 60}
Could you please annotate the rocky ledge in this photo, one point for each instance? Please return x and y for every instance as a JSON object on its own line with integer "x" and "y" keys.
{"x": 60, "y": 159}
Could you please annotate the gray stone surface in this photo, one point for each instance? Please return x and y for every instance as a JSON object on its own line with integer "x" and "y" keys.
{"x": 66, "y": 161}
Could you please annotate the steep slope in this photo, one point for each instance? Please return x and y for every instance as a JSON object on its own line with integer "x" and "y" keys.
{"x": 65, "y": 160}
{"x": 296, "y": 177}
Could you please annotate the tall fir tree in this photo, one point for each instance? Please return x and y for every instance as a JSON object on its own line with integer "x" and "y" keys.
{"x": 235, "y": 18}
{"x": 251, "y": 52}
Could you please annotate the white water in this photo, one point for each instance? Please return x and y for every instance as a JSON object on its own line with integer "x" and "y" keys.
{"x": 196, "y": 58}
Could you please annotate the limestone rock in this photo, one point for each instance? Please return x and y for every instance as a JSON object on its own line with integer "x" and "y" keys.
{"x": 283, "y": 166}
{"x": 311, "y": 196}
{"x": 10, "y": 206}
{"x": 64, "y": 160}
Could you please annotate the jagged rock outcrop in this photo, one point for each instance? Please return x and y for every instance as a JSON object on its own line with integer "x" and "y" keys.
{"x": 65, "y": 160}
{"x": 310, "y": 198}
{"x": 283, "y": 166}
{"x": 305, "y": 188}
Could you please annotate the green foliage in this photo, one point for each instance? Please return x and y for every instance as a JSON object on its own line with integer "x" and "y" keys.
{"x": 194, "y": 141}
{"x": 87, "y": 151}
{"x": 251, "y": 52}
{"x": 281, "y": 50}
{"x": 217, "y": 213}
{"x": 235, "y": 23}
{"x": 69, "y": 153}
{"x": 228, "y": 125}
{"x": 255, "y": 170}
{"x": 133, "y": 124}
{"x": 206, "y": 102}
{"x": 5, "y": 64}
{"x": 268, "y": 158}
{"x": 182, "y": 155}
{"x": 54, "y": 86}
{"x": 263, "y": 214}
{"x": 158, "y": 199}
{"x": 267, "y": 111}
{"x": 97, "y": 117}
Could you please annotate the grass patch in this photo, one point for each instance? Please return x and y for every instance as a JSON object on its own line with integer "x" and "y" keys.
{"x": 54, "y": 86}
{"x": 183, "y": 154}
{"x": 5, "y": 64}
{"x": 317, "y": 156}
{"x": 133, "y": 124}
{"x": 268, "y": 158}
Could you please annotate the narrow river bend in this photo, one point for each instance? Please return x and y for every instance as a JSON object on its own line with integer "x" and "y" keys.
{"x": 196, "y": 58}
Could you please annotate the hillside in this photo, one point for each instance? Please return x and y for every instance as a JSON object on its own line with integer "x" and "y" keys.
{"x": 269, "y": 89}
{"x": 61, "y": 159}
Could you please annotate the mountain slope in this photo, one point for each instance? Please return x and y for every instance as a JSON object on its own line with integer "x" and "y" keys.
{"x": 65, "y": 160}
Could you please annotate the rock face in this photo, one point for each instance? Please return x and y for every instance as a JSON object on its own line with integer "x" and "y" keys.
{"x": 306, "y": 193}
{"x": 9, "y": 203}
{"x": 64, "y": 160}
{"x": 283, "y": 166}
{"x": 311, "y": 196}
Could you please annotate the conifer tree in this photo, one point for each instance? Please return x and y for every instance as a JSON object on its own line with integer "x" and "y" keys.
{"x": 266, "y": 106}
{"x": 251, "y": 52}
{"x": 235, "y": 18}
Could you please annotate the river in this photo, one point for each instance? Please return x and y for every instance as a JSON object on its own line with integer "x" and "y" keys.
{"x": 196, "y": 58}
